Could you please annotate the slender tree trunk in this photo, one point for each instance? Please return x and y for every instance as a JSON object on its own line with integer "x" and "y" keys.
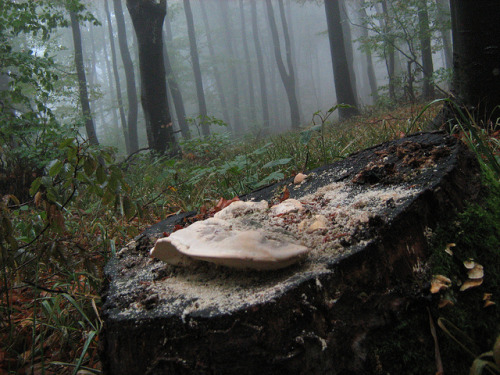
{"x": 444, "y": 29}
{"x": 343, "y": 84}
{"x": 196, "y": 68}
{"x": 228, "y": 35}
{"x": 215, "y": 69}
{"x": 82, "y": 80}
{"x": 116, "y": 76}
{"x": 176, "y": 95}
{"x": 346, "y": 29}
{"x": 251, "y": 94}
{"x": 148, "y": 18}
{"x": 112, "y": 93}
{"x": 288, "y": 78}
{"x": 389, "y": 53}
{"x": 425, "y": 45}
{"x": 133, "y": 140}
{"x": 372, "y": 78}
{"x": 476, "y": 56}
{"x": 260, "y": 64}
{"x": 173, "y": 86}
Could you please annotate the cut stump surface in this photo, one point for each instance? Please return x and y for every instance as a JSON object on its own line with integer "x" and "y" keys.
{"x": 312, "y": 317}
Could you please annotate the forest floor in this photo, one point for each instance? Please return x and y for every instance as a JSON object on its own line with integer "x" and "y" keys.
{"x": 53, "y": 255}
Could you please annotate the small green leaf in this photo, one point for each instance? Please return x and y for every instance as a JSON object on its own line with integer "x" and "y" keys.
{"x": 65, "y": 143}
{"x": 275, "y": 163}
{"x": 100, "y": 174}
{"x": 109, "y": 197}
{"x": 128, "y": 207}
{"x": 89, "y": 166}
{"x": 35, "y": 185}
{"x": 55, "y": 168}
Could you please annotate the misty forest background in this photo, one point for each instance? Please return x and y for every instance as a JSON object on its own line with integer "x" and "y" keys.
{"x": 116, "y": 114}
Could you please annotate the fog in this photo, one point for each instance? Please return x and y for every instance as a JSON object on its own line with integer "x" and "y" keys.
{"x": 230, "y": 69}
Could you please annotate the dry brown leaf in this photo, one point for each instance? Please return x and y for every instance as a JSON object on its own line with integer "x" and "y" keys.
{"x": 471, "y": 284}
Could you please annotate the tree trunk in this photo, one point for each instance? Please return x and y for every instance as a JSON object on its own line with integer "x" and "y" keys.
{"x": 173, "y": 86}
{"x": 196, "y": 68}
{"x": 117, "y": 79}
{"x": 444, "y": 29}
{"x": 288, "y": 78}
{"x": 372, "y": 78}
{"x": 228, "y": 35}
{"x": 260, "y": 64}
{"x": 148, "y": 18}
{"x": 248, "y": 65}
{"x": 215, "y": 68}
{"x": 133, "y": 140}
{"x": 346, "y": 29}
{"x": 343, "y": 84}
{"x": 425, "y": 45}
{"x": 82, "y": 80}
{"x": 476, "y": 56}
{"x": 389, "y": 53}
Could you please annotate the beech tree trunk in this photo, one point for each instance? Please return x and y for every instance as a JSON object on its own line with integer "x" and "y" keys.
{"x": 372, "y": 78}
{"x": 260, "y": 64}
{"x": 116, "y": 76}
{"x": 389, "y": 53}
{"x": 82, "y": 80}
{"x": 346, "y": 29}
{"x": 476, "y": 56}
{"x": 425, "y": 46}
{"x": 196, "y": 68}
{"x": 288, "y": 78}
{"x": 215, "y": 68}
{"x": 444, "y": 29}
{"x": 228, "y": 35}
{"x": 248, "y": 66}
{"x": 343, "y": 84}
{"x": 148, "y": 18}
{"x": 133, "y": 107}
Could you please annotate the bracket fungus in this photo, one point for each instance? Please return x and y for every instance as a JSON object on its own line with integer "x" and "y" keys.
{"x": 224, "y": 240}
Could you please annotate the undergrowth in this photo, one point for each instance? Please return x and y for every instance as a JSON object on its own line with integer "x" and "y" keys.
{"x": 86, "y": 204}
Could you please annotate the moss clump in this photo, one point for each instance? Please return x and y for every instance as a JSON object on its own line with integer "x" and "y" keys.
{"x": 409, "y": 347}
{"x": 476, "y": 233}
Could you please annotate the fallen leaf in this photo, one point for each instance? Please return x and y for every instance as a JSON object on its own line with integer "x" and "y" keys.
{"x": 286, "y": 195}
{"x": 471, "y": 284}
{"x": 487, "y": 296}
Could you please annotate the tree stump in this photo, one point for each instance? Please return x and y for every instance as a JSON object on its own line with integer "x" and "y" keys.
{"x": 310, "y": 318}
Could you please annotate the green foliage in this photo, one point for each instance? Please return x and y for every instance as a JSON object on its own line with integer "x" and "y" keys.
{"x": 398, "y": 32}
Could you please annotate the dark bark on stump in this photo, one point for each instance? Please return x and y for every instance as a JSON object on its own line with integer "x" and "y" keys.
{"x": 306, "y": 319}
